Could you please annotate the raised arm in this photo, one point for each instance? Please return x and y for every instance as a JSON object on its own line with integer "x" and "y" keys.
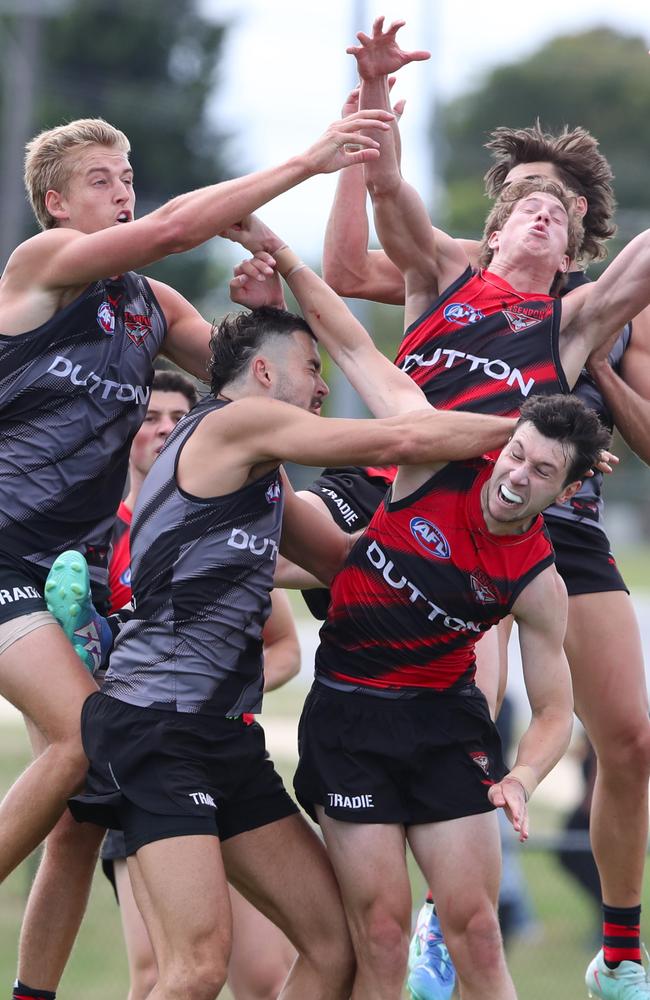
{"x": 65, "y": 257}
{"x": 428, "y": 259}
{"x": 592, "y": 313}
{"x": 385, "y": 389}
{"x": 541, "y": 614}
{"x": 349, "y": 266}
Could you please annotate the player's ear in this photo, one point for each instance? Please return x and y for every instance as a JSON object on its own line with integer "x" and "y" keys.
{"x": 568, "y": 491}
{"x": 55, "y": 205}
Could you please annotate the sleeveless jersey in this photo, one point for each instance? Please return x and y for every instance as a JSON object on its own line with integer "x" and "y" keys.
{"x": 484, "y": 347}
{"x": 587, "y": 505}
{"x": 422, "y": 585}
{"x": 119, "y": 566}
{"x": 201, "y": 573}
{"x": 73, "y": 393}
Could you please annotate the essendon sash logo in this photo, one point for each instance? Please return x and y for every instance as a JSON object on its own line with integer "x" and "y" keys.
{"x": 522, "y": 317}
{"x": 483, "y": 587}
{"x": 137, "y": 327}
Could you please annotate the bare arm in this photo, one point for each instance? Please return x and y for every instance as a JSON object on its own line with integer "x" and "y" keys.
{"x": 311, "y": 539}
{"x": 428, "y": 259}
{"x": 66, "y": 258}
{"x": 628, "y": 394}
{"x": 385, "y": 389}
{"x": 349, "y": 266}
{"x": 541, "y": 614}
{"x": 281, "y": 646}
{"x": 592, "y": 313}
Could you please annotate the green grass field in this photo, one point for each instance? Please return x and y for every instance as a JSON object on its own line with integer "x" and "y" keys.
{"x": 549, "y": 963}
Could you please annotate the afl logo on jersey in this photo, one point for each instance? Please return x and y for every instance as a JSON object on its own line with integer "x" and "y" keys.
{"x": 430, "y": 538}
{"x": 273, "y": 493}
{"x": 462, "y": 313}
{"x": 106, "y": 318}
{"x": 125, "y": 577}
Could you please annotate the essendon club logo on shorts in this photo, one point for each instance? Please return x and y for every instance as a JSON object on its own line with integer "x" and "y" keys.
{"x": 137, "y": 326}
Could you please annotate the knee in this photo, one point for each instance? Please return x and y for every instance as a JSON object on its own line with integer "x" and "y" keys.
{"x": 143, "y": 979}
{"x": 67, "y": 758}
{"x": 477, "y": 936}
{"x": 384, "y": 940}
{"x": 259, "y": 980}
{"x": 626, "y": 756}
{"x": 202, "y": 978}
{"x": 72, "y": 841}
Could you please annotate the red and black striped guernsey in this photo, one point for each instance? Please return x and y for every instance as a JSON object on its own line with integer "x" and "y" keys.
{"x": 421, "y": 585}
{"x": 484, "y": 347}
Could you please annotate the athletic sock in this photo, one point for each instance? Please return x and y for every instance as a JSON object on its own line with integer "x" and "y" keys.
{"x": 22, "y": 992}
{"x": 621, "y": 935}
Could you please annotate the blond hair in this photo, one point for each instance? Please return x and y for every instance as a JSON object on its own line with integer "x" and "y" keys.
{"x": 48, "y": 166}
{"x": 513, "y": 193}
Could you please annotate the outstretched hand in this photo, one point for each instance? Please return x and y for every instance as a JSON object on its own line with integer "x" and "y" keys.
{"x": 379, "y": 54}
{"x": 344, "y": 142}
{"x": 510, "y": 796}
{"x": 256, "y": 283}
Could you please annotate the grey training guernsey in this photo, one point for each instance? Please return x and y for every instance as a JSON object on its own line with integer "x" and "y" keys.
{"x": 202, "y": 572}
{"x": 73, "y": 393}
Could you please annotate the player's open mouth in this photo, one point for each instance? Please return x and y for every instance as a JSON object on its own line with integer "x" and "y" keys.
{"x": 123, "y": 217}
{"x": 508, "y": 497}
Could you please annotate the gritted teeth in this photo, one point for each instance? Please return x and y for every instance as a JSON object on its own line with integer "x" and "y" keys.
{"x": 509, "y": 496}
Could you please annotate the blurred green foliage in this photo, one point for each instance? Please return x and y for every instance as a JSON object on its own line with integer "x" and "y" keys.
{"x": 150, "y": 68}
{"x": 599, "y": 79}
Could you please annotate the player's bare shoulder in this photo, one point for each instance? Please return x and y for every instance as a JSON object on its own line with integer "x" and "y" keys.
{"x": 27, "y": 298}
{"x": 544, "y": 602}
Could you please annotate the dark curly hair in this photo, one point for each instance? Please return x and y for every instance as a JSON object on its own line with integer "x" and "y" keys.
{"x": 566, "y": 419}
{"x": 240, "y": 335}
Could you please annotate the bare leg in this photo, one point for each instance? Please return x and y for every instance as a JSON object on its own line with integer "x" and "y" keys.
{"x": 604, "y": 651}
{"x": 461, "y": 860}
{"x": 371, "y": 869}
{"x": 143, "y": 971}
{"x": 43, "y": 677}
{"x": 61, "y": 887}
{"x": 261, "y": 955}
{"x": 180, "y": 889}
{"x": 283, "y": 869}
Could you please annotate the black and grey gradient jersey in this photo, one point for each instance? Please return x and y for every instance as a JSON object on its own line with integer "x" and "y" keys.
{"x": 73, "y": 393}
{"x": 201, "y": 572}
{"x": 587, "y": 505}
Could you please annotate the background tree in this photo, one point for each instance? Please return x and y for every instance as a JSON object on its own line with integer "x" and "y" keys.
{"x": 599, "y": 79}
{"x": 149, "y": 68}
